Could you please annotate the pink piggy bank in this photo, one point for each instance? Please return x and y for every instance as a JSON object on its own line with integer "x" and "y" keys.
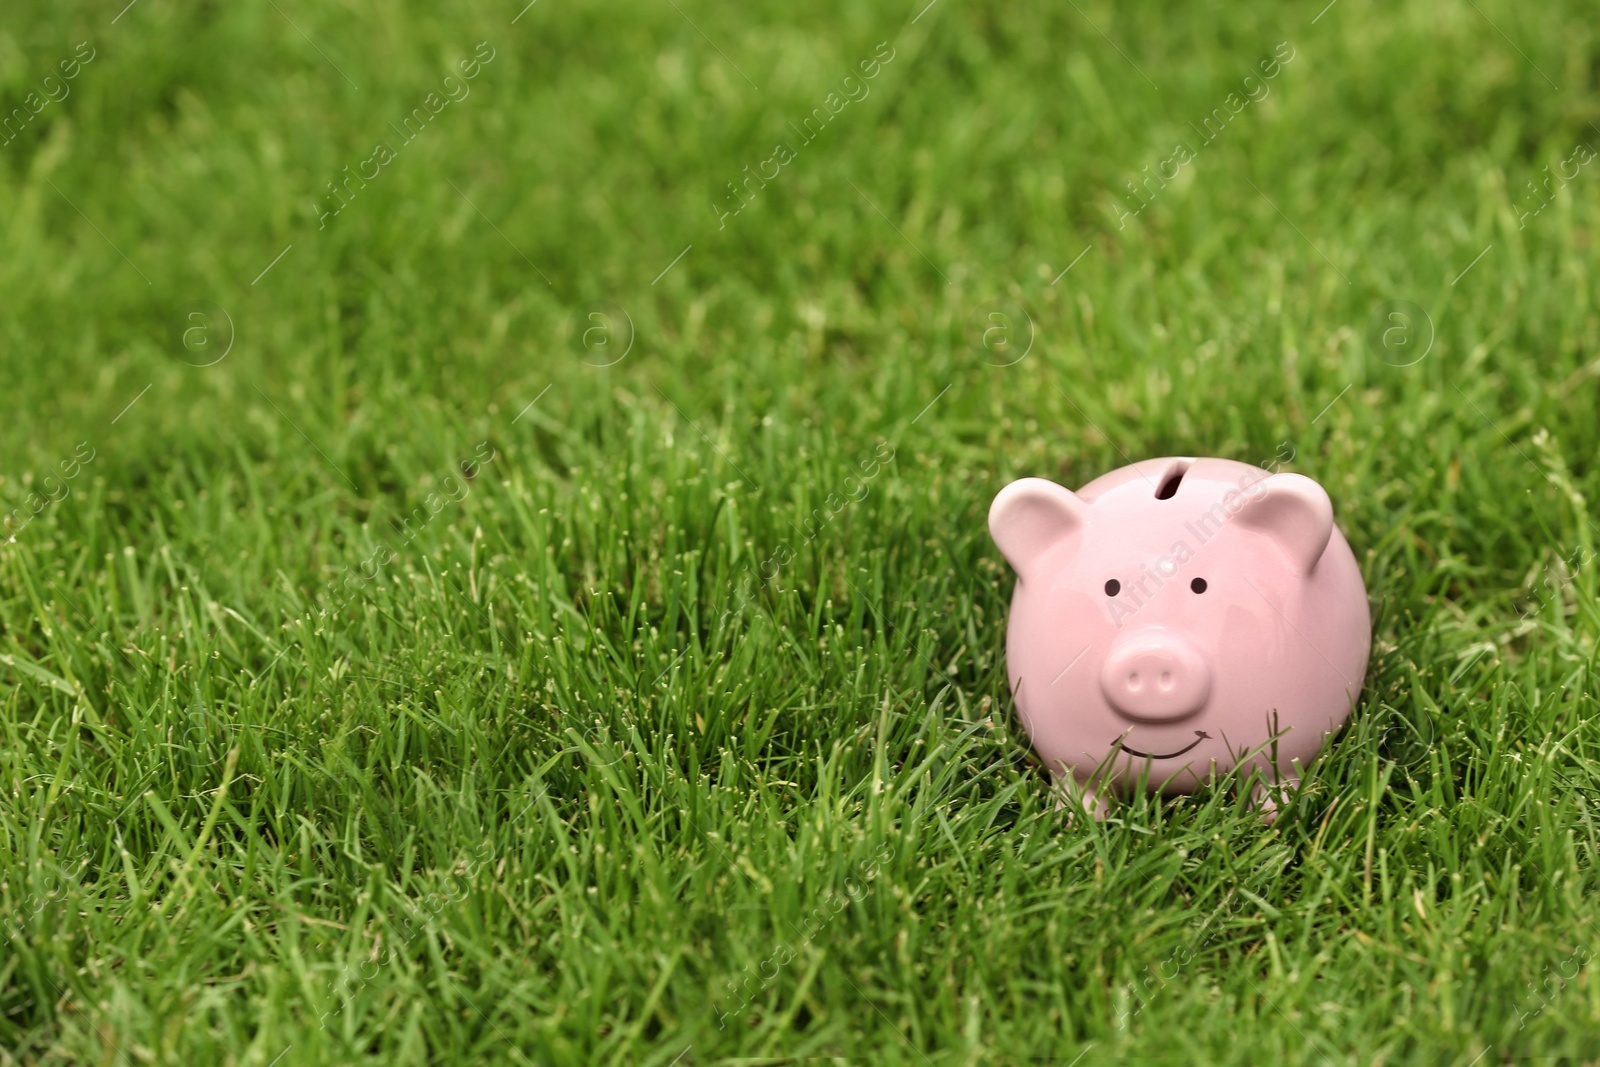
{"x": 1182, "y": 617}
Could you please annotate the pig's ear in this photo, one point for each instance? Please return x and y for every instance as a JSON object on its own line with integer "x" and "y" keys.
{"x": 1030, "y": 515}
{"x": 1294, "y": 511}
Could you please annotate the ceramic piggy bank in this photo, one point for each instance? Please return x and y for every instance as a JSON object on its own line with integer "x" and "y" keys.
{"x": 1177, "y": 618}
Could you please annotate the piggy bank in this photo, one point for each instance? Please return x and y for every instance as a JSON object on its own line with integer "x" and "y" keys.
{"x": 1176, "y": 619}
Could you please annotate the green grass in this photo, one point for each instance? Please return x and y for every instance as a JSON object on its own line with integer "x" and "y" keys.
{"x": 559, "y": 776}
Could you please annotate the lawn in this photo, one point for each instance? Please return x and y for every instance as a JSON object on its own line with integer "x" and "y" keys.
{"x": 495, "y": 565}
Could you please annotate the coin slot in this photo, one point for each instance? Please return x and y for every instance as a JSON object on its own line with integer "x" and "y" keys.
{"x": 1169, "y": 484}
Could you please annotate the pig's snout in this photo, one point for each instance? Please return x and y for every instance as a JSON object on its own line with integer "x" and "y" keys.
{"x": 1155, "y": 676}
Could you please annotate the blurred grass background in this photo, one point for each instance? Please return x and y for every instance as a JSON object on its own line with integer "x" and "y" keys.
{"x": 556, "y": 777}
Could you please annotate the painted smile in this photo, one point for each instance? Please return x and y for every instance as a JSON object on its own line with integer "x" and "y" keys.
{"x": 1199, "y": 736}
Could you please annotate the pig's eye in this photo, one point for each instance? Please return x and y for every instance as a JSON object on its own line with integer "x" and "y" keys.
{"x": 1198, "y": 585}
{"x": 1113, "y": 587}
